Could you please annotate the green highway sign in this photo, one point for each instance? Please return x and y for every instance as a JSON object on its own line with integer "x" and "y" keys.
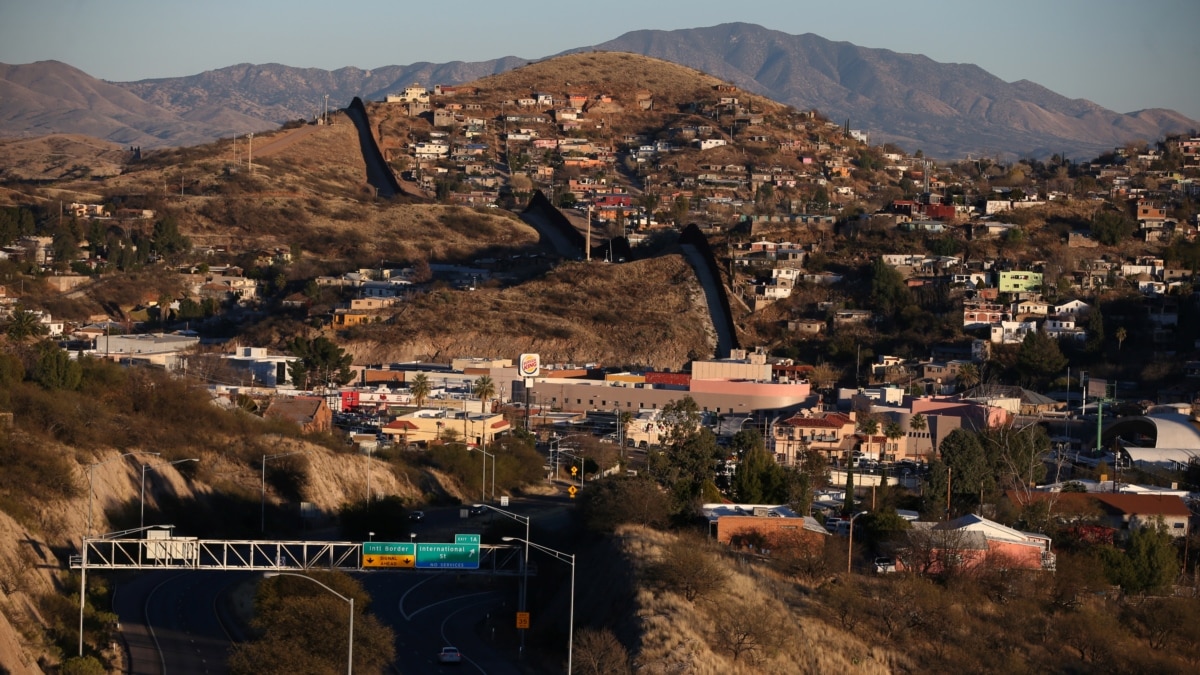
{"x": 448, "y": 556}
{"x": 467, "y": 539}
{"x": 388, "y": 548}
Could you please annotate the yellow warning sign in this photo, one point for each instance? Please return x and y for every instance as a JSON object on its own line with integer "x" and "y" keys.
{"x": 522, "y": 619}
{"x": 389, "y": 561}
{"x": 572, "y": 490}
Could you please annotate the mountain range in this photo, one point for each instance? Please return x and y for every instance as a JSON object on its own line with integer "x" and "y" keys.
{"x": 945, "y": 110}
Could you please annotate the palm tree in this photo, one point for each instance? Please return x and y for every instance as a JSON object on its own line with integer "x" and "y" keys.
{"x": 23, "y": 324}
{"x": 893, "y": 431}
{"x": 918, "y": 423}
{"x": 420, "y": 388}
{"x": 868, "y": 426}
{"x": 1121, "y": 335}
{"x": 484, "y": 389}
{"x": 968, "y": 376}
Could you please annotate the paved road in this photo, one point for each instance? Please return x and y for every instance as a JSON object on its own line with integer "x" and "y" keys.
{"x": 172, "y": 621}
{"x": 429, "y": 610}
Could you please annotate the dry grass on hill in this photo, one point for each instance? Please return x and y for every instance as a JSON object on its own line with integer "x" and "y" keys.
{"x": 648, "y": 312}
{"x": 701, "y": 637}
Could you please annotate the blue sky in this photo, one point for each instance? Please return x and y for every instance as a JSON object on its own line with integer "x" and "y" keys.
{"x": 1121, "y": 55}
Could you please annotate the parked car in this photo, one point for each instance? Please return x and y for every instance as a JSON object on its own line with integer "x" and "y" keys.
{"x": 884, "y": 565}
{"x": 449, "y": 655}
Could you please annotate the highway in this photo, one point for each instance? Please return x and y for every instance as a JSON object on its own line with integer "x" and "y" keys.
{"x": 180, "y": 622}
{"x": 174, "y": 622}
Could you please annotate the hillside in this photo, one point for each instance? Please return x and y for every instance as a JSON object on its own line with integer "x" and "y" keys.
{"x": 947, "y": 110}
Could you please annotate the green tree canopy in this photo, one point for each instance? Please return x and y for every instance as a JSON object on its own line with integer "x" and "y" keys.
{"x": 167, "y": 238}
{"x": 759, "y": 479}
{"x": 690, "y": 451}
{"x": 1039, "y": 357}
{"x": 889, "y": 293}
{"x": 55, "y": 369}
{"x": 321, "y": 362}
{"x": 23, "y": 324}
{"x": 1148, "y": 562}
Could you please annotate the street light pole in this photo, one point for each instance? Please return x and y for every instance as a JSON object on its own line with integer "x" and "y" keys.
{"x": 524, "y": 564}
{"x": 263, "y": 524}
{"x": 147, "y": 467}
{"x": 350, "y": 648}
{"x": 850, "y": 545}
{"x": 91, "y": 490}
{"x": 567, "y": 558}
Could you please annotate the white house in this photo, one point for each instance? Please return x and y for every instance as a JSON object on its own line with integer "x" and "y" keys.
{"x": 1011, "y": 332}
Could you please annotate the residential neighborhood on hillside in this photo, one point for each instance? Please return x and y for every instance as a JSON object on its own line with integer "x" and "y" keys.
{"x": 681, "y": 307}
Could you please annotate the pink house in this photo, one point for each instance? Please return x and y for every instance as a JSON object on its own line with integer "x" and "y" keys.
{"x": 971, "y": 542}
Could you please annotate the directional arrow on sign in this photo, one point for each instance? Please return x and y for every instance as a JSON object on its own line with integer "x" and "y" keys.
{"x": 370, "y": 560}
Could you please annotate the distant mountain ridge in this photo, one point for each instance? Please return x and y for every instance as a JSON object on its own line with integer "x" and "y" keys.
{"x": 946, "y": 110}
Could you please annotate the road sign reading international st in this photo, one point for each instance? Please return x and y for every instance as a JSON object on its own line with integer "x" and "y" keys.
{"x": 389, "y": 554}
{"x": 448, "y": 556}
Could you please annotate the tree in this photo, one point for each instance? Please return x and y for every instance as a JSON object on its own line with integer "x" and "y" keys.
{"x": 321, "y": 362}
{"x": 889, "y": 293}
{"x": 484, "y": 389}
{"x": 848, "y": 500}
{"x": 24, "y": 324}
{"x": 893, "y": 431}
{"x": 1095, "y": 331}
{"x": 968, "y": 376}
{"x": 1015, "y": 456}
{"x": 690, "y": 567}
{"x": 617, "y": 500}
{"x": 1039, "y": 357}
{"x": 1121, "y": 335}
{"x": 751, "y": 631}
{"x": 868, "y": 426}
{"x": 1110, "y": 227}
{"x": 599, "y": 652}
{"x": 1147, "y": 564}
{"x": 688, "y": 460}
{"x": 918, "y": 423}
{"x": 419, "y": 388}
{"x": 963, "y": 454}
{"x": 759, "y": 479}
{"x": 167, "y": 239}
{"x": 824, "y": 376}
{"x": 304, "y": 628}
{"x": 55, "y": 369}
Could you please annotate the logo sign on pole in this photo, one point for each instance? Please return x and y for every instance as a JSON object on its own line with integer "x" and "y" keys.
{"x": 529, "y": 365}
{"x": 522, "y": 620}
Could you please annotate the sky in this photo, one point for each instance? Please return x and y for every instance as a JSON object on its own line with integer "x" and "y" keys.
{"x": 1125, "y": 56}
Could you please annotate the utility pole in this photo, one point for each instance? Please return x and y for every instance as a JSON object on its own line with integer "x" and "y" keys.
{"x": 250, "y": 152}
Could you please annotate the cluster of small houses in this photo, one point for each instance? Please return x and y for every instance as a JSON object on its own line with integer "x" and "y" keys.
{"x": 544, "y": 124}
